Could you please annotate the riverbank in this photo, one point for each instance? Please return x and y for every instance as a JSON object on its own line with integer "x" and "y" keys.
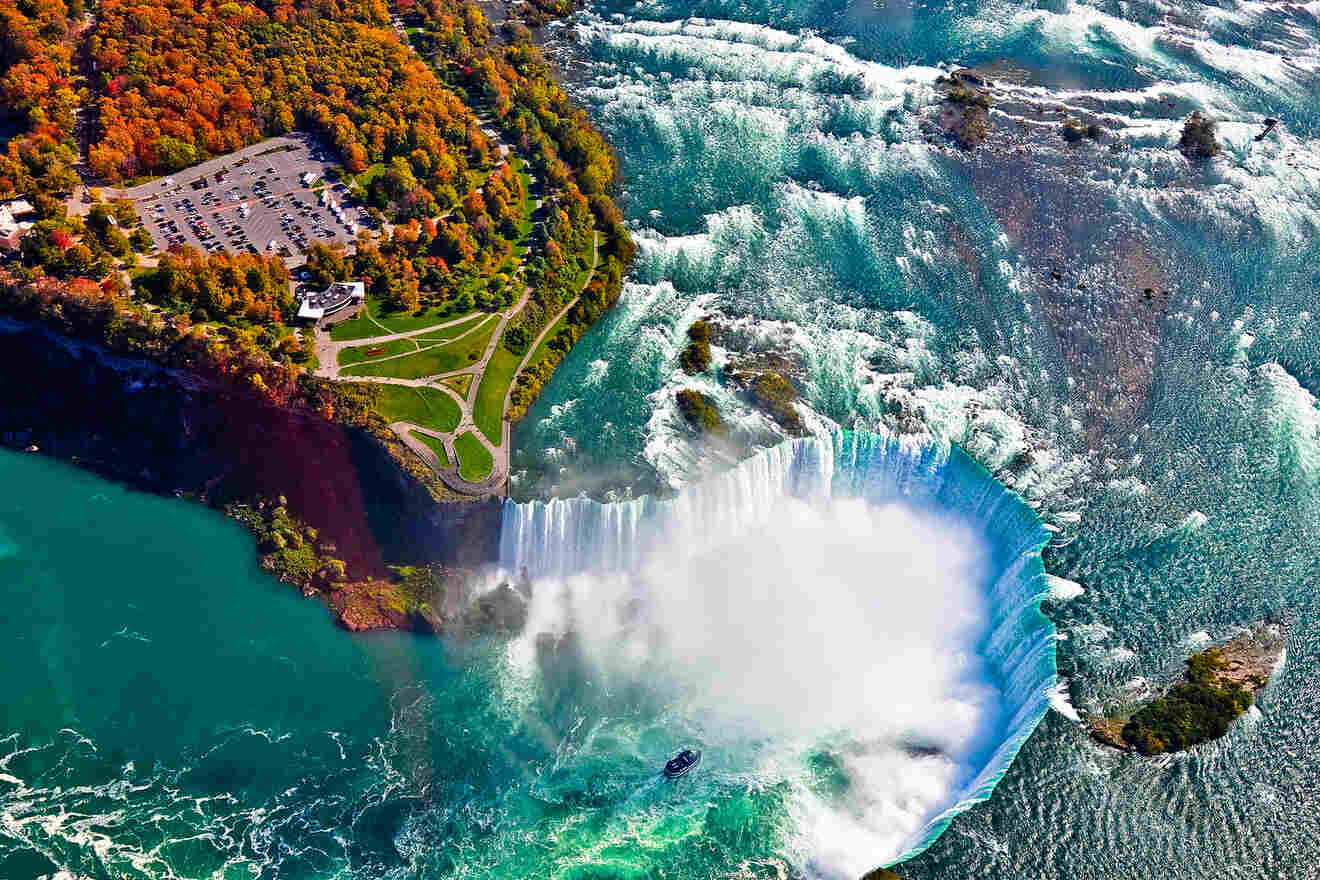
{"x": 169, "y": 432}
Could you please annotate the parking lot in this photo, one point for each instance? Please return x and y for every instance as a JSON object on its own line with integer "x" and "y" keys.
{"x": 271, "y": 197}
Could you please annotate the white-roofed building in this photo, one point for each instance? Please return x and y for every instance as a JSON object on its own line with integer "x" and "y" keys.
{"x": 342, "y": 296}
{"x": 16, "y": 218}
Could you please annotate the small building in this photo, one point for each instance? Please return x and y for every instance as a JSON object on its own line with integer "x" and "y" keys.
{"x": 16, "y": 218}
{"x": 341, "y": 297}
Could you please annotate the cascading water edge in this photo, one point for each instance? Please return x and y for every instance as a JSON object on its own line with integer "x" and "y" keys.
{"x": 562, "y": 539}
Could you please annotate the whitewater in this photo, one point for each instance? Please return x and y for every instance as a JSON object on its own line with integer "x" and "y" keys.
{"x": 1124, "y": 338}
{"x": 1089, "y": 372}
{"x": 847, "y": 598}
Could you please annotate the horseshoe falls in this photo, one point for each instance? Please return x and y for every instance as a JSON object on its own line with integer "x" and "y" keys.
{"x": 1054, "y": 427}
{"x": 1122, "y": 335}
{"x": 846, "y": 601}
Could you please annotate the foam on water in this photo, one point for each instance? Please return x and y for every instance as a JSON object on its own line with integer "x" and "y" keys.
{"x": 774, "y": 562}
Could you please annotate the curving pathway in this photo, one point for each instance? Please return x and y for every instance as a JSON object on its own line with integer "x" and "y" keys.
{"x": 327, "y": 352}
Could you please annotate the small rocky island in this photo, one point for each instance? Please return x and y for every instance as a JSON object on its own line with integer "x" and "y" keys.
{"x": 1219, "y": 685}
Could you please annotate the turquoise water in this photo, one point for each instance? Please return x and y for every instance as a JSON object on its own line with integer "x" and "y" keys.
{"x": 682, "y": 560}
{"x": 170, "y": 711}
{"x": 174, "y": 712}
{"x": 783, "y": 180}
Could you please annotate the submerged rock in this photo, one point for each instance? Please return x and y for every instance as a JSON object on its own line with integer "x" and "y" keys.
{"x": 965, "y": 115}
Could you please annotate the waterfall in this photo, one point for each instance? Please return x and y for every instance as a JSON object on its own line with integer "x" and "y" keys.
{"x": 564, "y": 538}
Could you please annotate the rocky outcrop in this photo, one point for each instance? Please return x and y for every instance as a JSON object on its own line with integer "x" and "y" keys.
{"x": 1198, "y": 141}
{"x": 772, "y": 393}
{"x": 699, "y": 412}
{"x": 1219, "y": 685}
{"x": 965, "y": 113}
{"x": 170, "y": 432}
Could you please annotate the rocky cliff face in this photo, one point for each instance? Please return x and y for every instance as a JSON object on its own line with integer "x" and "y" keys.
{"x": 170, "y": 432}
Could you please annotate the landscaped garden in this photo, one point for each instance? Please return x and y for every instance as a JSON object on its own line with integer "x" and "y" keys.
{"x": 464, "y": 352}
{"x": 436, "y": 445}
{"x": 428, "y": 407}
{"x": 474, "y": 459}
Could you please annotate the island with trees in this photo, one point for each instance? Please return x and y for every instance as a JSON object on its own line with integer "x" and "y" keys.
{"x": 1218, "y": 685}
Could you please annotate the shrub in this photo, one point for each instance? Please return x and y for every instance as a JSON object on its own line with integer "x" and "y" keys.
{"x": 775, "y": 394}
{"x": 1192, "y": 712}
{"x": 695, "y": 357}
{"x": 697, "y": 409}
{"x": 971, "y": 97}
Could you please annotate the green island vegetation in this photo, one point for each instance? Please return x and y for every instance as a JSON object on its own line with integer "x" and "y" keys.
{"x": 291, "y": 551}
{"x": 695, "y": 357}
{"x": 428, "y": 407}
{"x": 775, "y": 394}
{"x": 882, "y": 874}
{"x": 1194, "y": 711}
{"x": 967, "y": 118}
{"x": 436, "y": 445}
{"x": 699, "y": 412}
{"x": 474, "y": 459}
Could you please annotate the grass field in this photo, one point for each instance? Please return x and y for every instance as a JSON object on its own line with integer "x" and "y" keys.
{"x": 474, "y": 459}
{"x": 358, "y": 353}
{"x": 428, "y": 407}
{"x": 431, "y": 361}
{"x": 436, "y": 446}
{"x": 543, "y": 350}
{"x": 488, "y": 411}
{"x": 440, "y": 334}
{"x": 461, "y": 384}
{"x": 385, "y": 323}
{"x": 349, "y": 356}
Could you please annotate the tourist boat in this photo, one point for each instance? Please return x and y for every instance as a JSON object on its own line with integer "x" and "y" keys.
{"x": 682, "y": 763}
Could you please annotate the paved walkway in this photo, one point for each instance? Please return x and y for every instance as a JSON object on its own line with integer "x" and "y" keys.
{"x": 327, "y": 353}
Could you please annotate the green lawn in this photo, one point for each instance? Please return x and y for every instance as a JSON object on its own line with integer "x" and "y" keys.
{"x": 443, "y": 333}
{"x": 526, "y": 207}
{"x": 362, "y": 353}
{"x": 431, "y": 361}
{"x": 488, "y": 412}
{"x": 474, "y": 459}
{"x": 358, "y": 353}
{"x": 461, "y": 384}
{"x": 428, "y": 407}
{"x": 543, "y": 350}
{"x": 362, "y": 328}
{"x": 436, "y": 446}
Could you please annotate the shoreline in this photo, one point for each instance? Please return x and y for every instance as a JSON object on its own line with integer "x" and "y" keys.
{"x": 1241, "y": 664}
